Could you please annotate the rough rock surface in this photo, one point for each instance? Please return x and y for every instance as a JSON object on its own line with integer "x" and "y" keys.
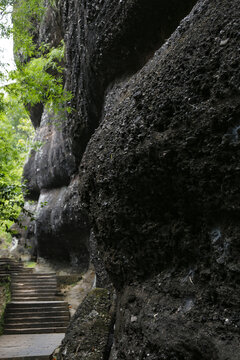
{"x": 51, "y": 163}
{"x": 62, "y": 226}
{"x": 105, "y": 40}
{"x": 160, "y": 173}
{"x": 160, "y": 178}
{"x": 87, "y": 336}
{"x": 102, "y": 279}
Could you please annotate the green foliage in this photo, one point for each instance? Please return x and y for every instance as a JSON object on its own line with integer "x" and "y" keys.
{"x": 5, "y": 10}
{"x": 16, "y": 133}
{"x": 27, "y": 16}
{"x": 38, "y": 79}
{"x": 30, "y": 264}
{"x": 41, "y": 80}
{"x": 39, "y": 74}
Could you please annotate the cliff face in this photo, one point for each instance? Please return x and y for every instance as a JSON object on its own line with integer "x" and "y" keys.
{"x": 104, "y": 41}
{"x": 159, "y": 178}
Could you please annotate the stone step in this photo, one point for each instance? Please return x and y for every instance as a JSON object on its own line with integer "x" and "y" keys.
{"x": 33, "y": 319}
{"x": 33, "y": 287}
{"x": 32, "y": 279}
{"x": 11, "y": 263}
{"x": 41, "y": 274}
{"x": 19, "y": 279}
{"x": 35, "y": 307}
{"x": 37, "y": 324}
{"x": 39, "y": 289}
{"x": 8, "y": 273}
{"x": 41, "y": 285}
{"x": 28, "y": 288}
{"x": 47, "y": 330}
{"x": 28, "y": 314}
{"x": 12, "y": 268}
{"x": 37, "y": 312}
{"x": 16, "y": 271}
{"x": 8, "y": 266}
{"x": 41, "y": 293}
{"x": 52, "y": 289}
{"x": 25, "y": 275}
{"x": 4, "y": 263}
{"x": 35, "y": 283}
{"x": 8, "y": 259}
{"x": 34, "y": 298}
{"x": 34, "y": 291}
{"x": 43, "y": 304}
{"x": 34, "y": 295}
{"x": 30, "y": 296}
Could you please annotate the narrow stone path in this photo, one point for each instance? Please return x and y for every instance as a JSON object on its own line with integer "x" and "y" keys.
{"x": 9, "y": 266}
{"x": 35, "y": 308}
{"x": 29, "y": 347}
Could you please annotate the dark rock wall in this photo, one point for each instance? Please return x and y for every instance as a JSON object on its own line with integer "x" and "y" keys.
{"x": 104, "y": 41}
{"x": 160, "y": 180}
{"x": 160, "y": 173}
{"x": 149, "y": 161}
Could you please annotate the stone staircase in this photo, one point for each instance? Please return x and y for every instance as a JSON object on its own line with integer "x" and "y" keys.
{"x": 40, "y": 317}
{"x": 35, "y": 306}
{"x": 9, "y": 267}
{"x": 34, "y": 287}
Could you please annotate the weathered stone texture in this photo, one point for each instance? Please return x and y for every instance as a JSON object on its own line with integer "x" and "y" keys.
{"x": 104, "y": 41}
{"x": 51, "y": 163}
{"x": 62, "y": 228}
{"x": 161, "y": 170}
{"x": 87, "y": 336}
{"x": 159, "y": 178}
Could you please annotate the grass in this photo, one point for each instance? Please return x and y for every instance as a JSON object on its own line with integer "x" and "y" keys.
{"x": 30, "y": 264}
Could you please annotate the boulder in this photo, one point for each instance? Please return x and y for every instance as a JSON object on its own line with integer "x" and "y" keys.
{"x": 160, "y": 180}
